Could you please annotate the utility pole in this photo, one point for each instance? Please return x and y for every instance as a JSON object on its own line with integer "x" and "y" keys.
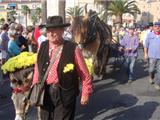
{"x": 44, "y": 11}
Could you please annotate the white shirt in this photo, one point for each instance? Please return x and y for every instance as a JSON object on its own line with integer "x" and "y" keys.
{"x": 41, "y": 39}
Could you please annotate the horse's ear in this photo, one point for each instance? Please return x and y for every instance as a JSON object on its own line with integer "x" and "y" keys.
{"x": 85, "y": 9}
{"x": 85, "y": 13}
{"x": 11, "y": 76}
{"x": 71, "y": 19}
{"x": 30, "y": 76}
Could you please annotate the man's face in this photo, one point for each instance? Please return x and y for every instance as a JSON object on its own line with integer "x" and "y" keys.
{"x": 131, "y": 31}
{"x": 55, "y": 34}
{"x": 156, "y": 28}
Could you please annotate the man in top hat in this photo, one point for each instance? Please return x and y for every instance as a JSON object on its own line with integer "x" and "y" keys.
{"x": 152, "y": 51}
{"x": 62, "y": 82}
{"x": 129, "y": 45}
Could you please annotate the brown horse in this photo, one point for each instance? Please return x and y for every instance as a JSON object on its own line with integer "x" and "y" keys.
{"x": 95, "y": 38}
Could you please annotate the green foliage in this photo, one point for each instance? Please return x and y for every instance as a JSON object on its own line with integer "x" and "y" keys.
{"x": 36, "y": 15}
{"x": 11, "y": 15}
{"x": 120, "y": 7}
{"x": 38, "y": 12}
{"x": 75, "y": 11}
{"x": 25, "y": 9}
{"x": 34, "y": 18}
{"x": 2, "y": 21}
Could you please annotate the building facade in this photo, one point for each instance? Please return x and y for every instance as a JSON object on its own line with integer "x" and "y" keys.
{"x": 150, "y": 11}
{"x": 7, "y": 5}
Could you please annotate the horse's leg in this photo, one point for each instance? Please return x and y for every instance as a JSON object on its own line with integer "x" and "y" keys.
{"x": 104, "y": 62}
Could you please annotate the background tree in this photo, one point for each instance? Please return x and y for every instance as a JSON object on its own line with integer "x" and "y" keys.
{"x": 36, "y": 15}
{"x": 33, "y": 17}
{"x": 2, "y": 21}
{"x": 119, "y": 7}
{"x": 25, "y": 10}
{"x": 11, "y": 14}
{"x": 38, "y": 12}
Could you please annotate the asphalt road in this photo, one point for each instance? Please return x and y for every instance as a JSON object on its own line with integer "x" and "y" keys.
{"x": 113, "y": 98}
{"x": 7, "y": 111}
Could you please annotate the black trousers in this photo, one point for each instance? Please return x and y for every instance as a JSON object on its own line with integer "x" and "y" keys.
{"x": 53, "y": 108}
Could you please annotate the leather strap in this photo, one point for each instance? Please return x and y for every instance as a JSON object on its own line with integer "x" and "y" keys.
{"x": 59, "y": 49}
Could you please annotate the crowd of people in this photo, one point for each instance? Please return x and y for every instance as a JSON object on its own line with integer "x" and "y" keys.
{"x": 62, "y": 81}
{"x": 128, "y": 40}
{"x": 15, "y": 38}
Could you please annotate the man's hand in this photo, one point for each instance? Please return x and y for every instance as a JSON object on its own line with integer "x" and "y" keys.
{"x": 23, "y": 47}
{"x": 120, "y": 49}
{"x": 84, "y": 100}
{"x": 145, "y": 56}
{"x": 128, "y": 49}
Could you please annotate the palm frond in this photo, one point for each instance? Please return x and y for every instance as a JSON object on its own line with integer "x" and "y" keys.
{"x": 75, "y": 11}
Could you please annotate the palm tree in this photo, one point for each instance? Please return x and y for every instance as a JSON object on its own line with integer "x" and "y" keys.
{"x": 36, "y": 15}
{"x": 120, "y": 7}
{"x": 25, "y": 10}
{"x": 33, "y": 17}
{"x": 11, "y": 15}
{"x": 75, "y": 11}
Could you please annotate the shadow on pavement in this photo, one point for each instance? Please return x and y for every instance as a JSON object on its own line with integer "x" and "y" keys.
{"x": 139, "y": 112}
{"x": 103, "y": 101}
{"x": 117, "y": 72}
{"x": 7, "y": 110}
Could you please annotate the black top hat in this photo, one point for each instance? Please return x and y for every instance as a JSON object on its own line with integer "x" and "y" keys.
{"x": 55, "y": 22}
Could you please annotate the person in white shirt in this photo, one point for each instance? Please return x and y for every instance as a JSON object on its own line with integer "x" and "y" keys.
{"x": 42, "y": 36}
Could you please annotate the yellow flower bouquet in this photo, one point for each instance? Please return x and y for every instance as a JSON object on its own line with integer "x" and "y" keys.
{"x": 21, "y": 61}
{"x": 89, "y": 63}
{"x": 68, "y": 67}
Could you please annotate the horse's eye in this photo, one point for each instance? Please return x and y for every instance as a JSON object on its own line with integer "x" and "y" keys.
{"x": 19, "y": 82}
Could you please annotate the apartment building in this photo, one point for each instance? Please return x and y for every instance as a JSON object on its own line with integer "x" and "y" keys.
{"x": 150, "y": 11}
{"x": 7, "y": 5}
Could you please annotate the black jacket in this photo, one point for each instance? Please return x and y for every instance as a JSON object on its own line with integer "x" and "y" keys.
{"x": 68, "y": 82}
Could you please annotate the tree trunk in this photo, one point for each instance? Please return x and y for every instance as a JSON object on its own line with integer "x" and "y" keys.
{"x": 44, "y": 11}
{"x": 26, "y": 20}
{"x": 62, "y": 5}
{"x": 119, "y": 21}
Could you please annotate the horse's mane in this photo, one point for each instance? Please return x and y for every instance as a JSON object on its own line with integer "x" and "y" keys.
{"x": 76, "y": 26}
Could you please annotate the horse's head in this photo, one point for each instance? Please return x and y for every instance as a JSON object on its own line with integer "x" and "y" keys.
{"x": 79, "y": 28}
